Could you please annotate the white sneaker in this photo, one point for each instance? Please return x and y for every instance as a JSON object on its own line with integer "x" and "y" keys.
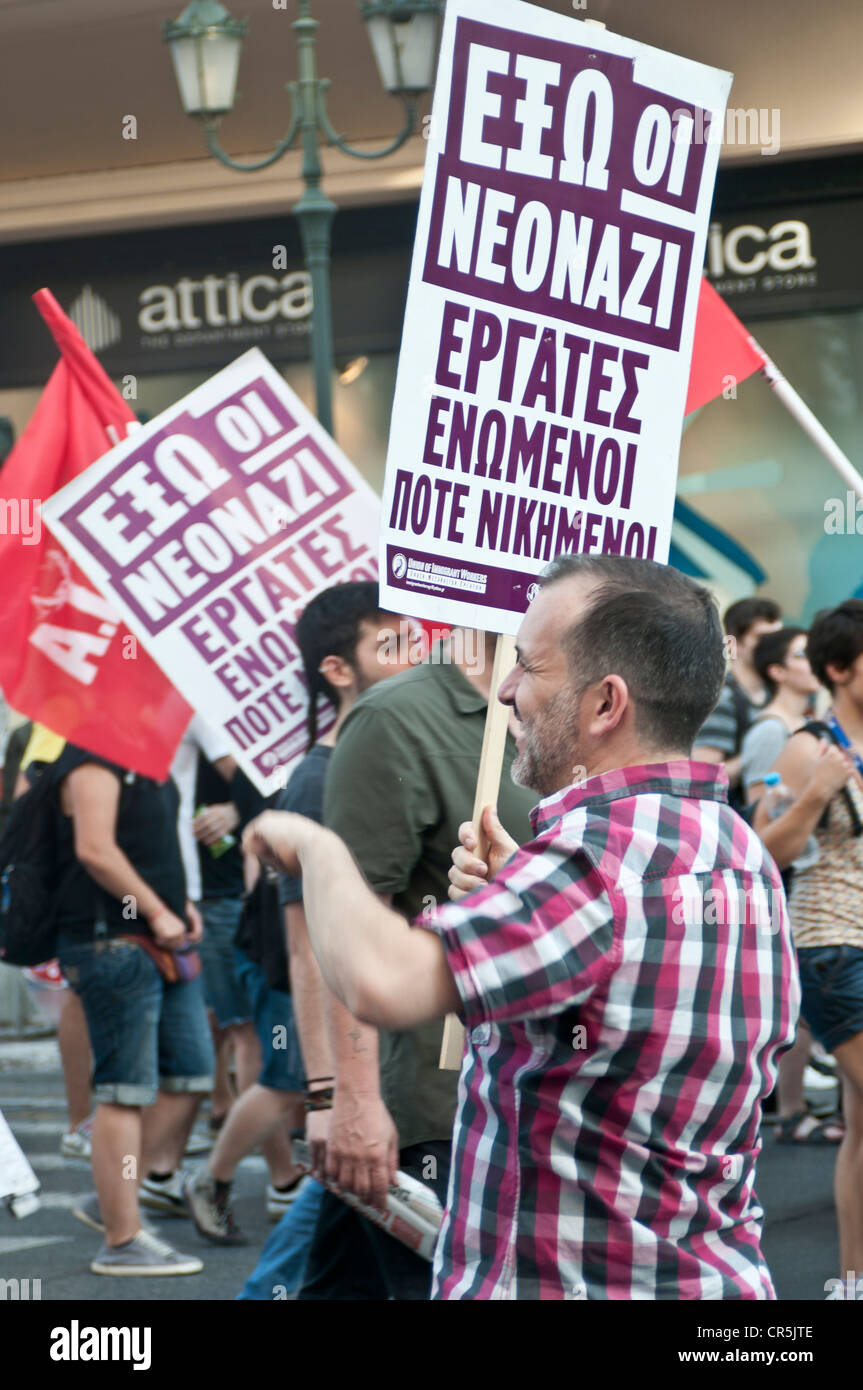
{"x": 145, "y": 1255}
{"x": 816, "y": 1081}
{"x": 77, "y": 1143}
{"x": 165, "y": 1197}
{"x": 278, "y": 1202}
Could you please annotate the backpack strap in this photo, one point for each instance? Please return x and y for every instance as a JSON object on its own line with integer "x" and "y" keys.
{"x": 819, "y": 730}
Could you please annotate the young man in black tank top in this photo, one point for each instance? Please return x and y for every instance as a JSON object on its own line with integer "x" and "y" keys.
{"x": 122, "y": 876}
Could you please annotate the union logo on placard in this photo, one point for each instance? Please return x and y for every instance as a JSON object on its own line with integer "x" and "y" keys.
{"x": 400, "y": 566}
{"x": 532, "y": 591}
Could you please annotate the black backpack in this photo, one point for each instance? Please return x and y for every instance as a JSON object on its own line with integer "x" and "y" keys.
{"x": 819, "y": 729}
{"x": 29, "y": 881}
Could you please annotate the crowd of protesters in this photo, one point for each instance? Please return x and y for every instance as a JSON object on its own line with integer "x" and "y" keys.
{"x": 293, "y": 960}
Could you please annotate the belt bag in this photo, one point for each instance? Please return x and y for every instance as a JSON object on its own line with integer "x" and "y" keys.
{"x": 171, "y": 965}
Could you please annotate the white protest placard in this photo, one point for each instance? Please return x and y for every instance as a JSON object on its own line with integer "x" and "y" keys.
{"x": 551, "y": 309}
{"x": 210, "y": 529}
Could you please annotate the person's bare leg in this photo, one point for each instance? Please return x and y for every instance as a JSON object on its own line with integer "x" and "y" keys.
{"x": 792, "y": 1066}
{"x": 247, "y": 1055}
{"x": 116, "y": 1155}
{"x": 73, "y": 1040}
{"x": 790, "y": 1095}
{"x": 849, "y": 1159}
{"x": 222, "y": 1097}
{"x": 166, "y": 1129}
{"x": 277, "y": 1149}
{"x": 258, "y": 1117}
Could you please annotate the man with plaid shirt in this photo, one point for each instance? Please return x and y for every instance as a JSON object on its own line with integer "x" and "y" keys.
{"x": 627, "y": 977}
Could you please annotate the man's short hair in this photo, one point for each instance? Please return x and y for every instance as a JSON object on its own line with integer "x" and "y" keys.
{"x": 739, "y": 618}
{"x": 658, "y": 630}
{"x": 329, "y": 625}
{"x": 836, "y": 639}
{"x": 772, "y": 650}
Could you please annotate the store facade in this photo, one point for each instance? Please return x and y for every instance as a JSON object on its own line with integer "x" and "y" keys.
{"x": 784, "y": 251}
{"x": 758, "y": 505}
{"x": 165, "y": 309}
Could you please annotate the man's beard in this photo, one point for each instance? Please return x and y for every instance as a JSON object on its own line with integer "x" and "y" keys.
{"x": 550, "y": 756}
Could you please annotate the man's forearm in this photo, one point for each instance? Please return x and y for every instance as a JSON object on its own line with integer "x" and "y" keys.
{"x": 351, "y": 930}
{"x": 385, "y": 973}
{"x": 309, "y": 992}
{"x": 354, "y": 1048}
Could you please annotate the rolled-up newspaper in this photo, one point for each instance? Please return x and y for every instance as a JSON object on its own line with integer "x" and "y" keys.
{"x": 413, "y": 1213}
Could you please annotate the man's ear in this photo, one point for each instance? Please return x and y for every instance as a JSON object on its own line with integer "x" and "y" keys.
{"x": 610, "y": 703}
{"x": 337, "y": 671}
{"x": 837, "y": 675}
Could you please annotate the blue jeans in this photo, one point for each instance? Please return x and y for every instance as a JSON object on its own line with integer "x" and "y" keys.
{"x": 223, "y": 992}
{"x": 282, "y": 1263}
{"x": 273, "y": 1017}
{"x": 145, "y": 1034}
{"x": 831, "y": 978}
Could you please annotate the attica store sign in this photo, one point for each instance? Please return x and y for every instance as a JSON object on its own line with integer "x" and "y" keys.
{"x": 195, "y": 298}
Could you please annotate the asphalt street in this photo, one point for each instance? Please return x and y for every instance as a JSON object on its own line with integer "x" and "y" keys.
{"x": 794, "y": 1185}
{"x": 53, "y": 1246}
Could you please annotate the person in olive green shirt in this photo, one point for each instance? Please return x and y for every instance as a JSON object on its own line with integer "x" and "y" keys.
{"x": 401, "y": 781}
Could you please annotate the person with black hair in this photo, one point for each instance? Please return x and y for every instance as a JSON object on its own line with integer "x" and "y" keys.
{"x": 123, "y": 920}
{"x": 743, "y": 693}
{"x": 344, "y": 639}
{"x": 783, "y": 665}
{"x": 623, "y": 1011}
{"x": 826, "y": 900}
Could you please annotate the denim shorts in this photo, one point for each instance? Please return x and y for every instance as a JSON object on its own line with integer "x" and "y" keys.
{"x": 145, "y": 1034}
{"x": 273, "y": 1015}
{"x": 223, "y": 991}
{"x": 832, "y": 981}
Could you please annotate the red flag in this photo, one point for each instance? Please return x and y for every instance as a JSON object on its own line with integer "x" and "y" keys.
{"x": 65, "y": 657}
{"x": 722, "y": 348}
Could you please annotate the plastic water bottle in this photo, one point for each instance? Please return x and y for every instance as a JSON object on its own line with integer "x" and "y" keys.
{"x": 777, "y": 800}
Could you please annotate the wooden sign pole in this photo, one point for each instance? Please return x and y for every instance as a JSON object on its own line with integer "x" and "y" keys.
{"x": 488, "y": 784}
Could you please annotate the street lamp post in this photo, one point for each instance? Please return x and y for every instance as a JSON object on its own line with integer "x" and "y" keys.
{"x": 205, "y": 46}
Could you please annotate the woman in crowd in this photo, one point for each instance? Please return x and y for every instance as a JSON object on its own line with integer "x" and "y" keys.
{"x": 826, "y": 898}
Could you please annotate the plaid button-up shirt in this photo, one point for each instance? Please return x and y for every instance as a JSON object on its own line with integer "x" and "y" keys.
{"x": 627, "y": 981}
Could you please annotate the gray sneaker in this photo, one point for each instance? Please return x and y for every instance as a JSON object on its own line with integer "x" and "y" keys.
{"x": 89, "y": 1211}
{"x": 211, "y": 1213}
{"x": 145, "y": 1255}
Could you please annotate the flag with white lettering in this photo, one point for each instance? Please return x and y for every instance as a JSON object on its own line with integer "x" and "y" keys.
{"x": 66, "y": 659}
{"x": 550, "y": 314}
{"x": 210, "y": 530}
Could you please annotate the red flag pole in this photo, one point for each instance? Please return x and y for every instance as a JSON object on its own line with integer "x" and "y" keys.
{"x": 723, "y": 350}
{"x": 796, "y": 406}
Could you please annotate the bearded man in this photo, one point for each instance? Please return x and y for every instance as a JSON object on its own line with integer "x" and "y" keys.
{"x": 626, "y": 978}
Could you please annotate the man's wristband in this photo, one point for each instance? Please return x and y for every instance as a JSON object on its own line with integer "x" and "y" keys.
{"x": 320, "y": 1100}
